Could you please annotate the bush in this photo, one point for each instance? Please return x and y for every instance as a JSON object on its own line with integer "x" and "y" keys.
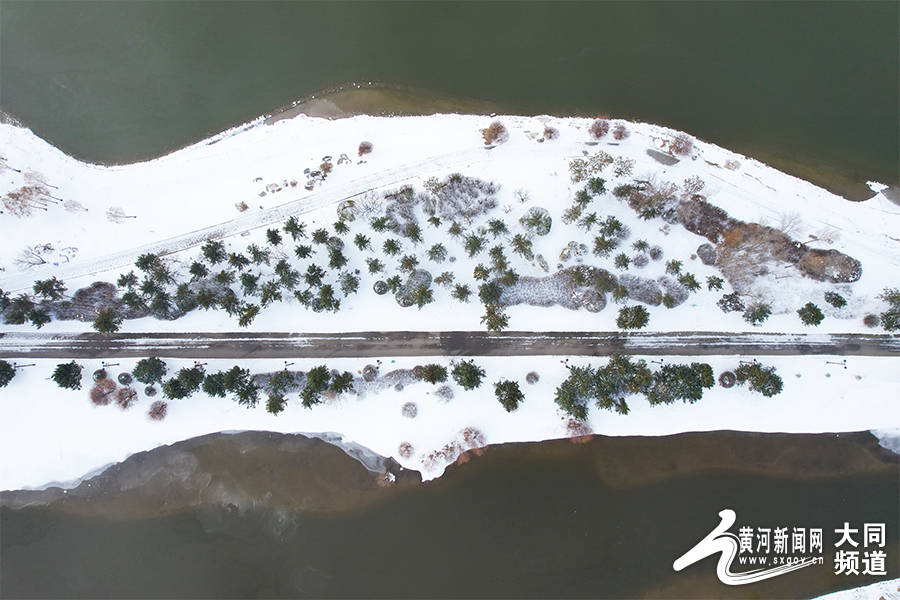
{"x": 409, "y": 410}
{"x": 365, "y": 148}
{"x": 620, "y": 132}
{"x": 433, "y": 373}
{"x": 7, "y": 372}
{"x": 551, "y": 133}
{"x": 532, "y": 377}
{"x": 405, "y": 450}
{"x": 632, "y": 317}
{"x": 726, "y": 379}
{"x": 810, "y": 314}
{"x": 467, "y": 374}
{"x": 757, "y": 313}
{"x": 599, "y": 128}
{"x": 509, "y": 394}
{"x": 68, "y": 375}
{"x": 125, "y": 397}
{"x": 102, "y": 392}
{"x": 150, "y": 391}
{"x": 835, "y": 299}
{"x": 158, "y": 410}
{"x": 149, "y": 370}
{"x": 761, "y": 379}
{"x": 681, "y": 144}
{"x": 871, "y": 321}
{"x": 495, "y": 133}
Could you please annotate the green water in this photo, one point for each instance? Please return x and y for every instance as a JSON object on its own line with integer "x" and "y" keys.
{"x": 808, "y": 84}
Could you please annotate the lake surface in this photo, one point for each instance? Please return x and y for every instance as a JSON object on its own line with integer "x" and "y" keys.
{"x": 811, "y": 87}
{"x": 600, "y": 519}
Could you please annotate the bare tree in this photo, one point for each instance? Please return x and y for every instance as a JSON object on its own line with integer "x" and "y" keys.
{"x": 33, "y": 256}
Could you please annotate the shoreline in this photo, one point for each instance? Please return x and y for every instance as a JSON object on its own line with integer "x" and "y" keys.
{"x": 378, "y": 99}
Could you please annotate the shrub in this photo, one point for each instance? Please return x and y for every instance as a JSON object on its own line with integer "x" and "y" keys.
{"x": 409, "y": 410}
{"x": 551, "y": 133}
{"x": 158, "y": 410}
{"x": 509, "y": 394}
{"x": 599, "y": 128}
{"x": 620, "y": 132}
{"x": 714, "y": 283}
{"x": 68, "y": 375}
{"x": 681, "y": 144}
{"x": 125, "y": 397}
{"x": 532, "y": 377}
{"x": 673, "y": 267}
{"x": 102, "y": 392}
{"x": 761, "y": 379}
{"x": 149, "y": 370}
{"x": 810, "y": 314}
{"x": 726, "y": 379}
{"x": 495, "y": 133}
{"x": 7, "y": 372}
{"x": 835, "y": 299}
{"x": 150, "y": 391}
{"x": 757, "y": 313}
{"x": 622, "y": 261}
{"x": 405, "y": 450}
{"x": 433, "y": 373}
{"x": 365, "y": 148}
{"x": 467, "y": 374}
{"x": 655, "y": 253}
{"x": 871, "y": 320}
{"x": 632, "y": 317}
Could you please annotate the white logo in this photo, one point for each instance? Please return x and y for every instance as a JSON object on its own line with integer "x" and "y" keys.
{"x": 728, "y": 546}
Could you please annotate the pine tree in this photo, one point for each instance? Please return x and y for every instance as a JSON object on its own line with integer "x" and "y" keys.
{"x": 810, "y": 314}
{"x": 107, "y": 321}
{"x": 761, "y": 379}
{"x": 509, "y": 394}
{"x": 434, "y": 373}
{"x": 68, "y": 375}
{"x": 214, "y": 251}
{"x": 149, "y": 370}
{"x": 50, "y": 289}
{"x": 316, "y": 382}
{"x": 467, "y": 374}
{"x": 7, "y": 372}
{"x": 632, "y": 317}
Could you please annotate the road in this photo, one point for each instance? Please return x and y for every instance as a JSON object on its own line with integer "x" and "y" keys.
{"x": 331, "y": 192}
{"x": 385, "y": 344}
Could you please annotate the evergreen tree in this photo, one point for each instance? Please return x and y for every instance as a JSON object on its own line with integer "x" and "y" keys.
{"x": 632, "y": 317}
{"x": 68, "y": 375}
{"x": 375, "y": 265}
{"x": 50, "y": 289}
{"x": 273, "y": 237}
{"x": 576, "y": 391}
{"x": 198, "y": 271}
{"x": 757, "y": 312}
{"x": 214, "y": 384}
{"x": 391, "y": 247}
{"x": 107, "y": 321}
{"x": 422, "y": 295}
{"x": 341, "y": 382}
{"x": 127, "y": 280}
{"x": 362, "y": 242}
{"x": 494, "y": 318}
{"x": 38, "y": 317}
{"x": 467, "y": 374}
{"x": 295, "y": 228}
{"x": 301, "y": 251}
{"x": 317, "y": 380}
{"x": 349, "y": 284}
{"x": 680, "y": 382}
{"x": 761, "y": 379}
{"x": 7, "y": 372}
{"x": 714, "y": 283}
{"x": 433, "y": 373}
{"x": 238, "y": 261}
{"x": 509, "y": 394}
{"x": 810, "y": 314}
{"x": 248, "y": 313}
{"x": 149, "y": 370}
{"x": 461, "y": 292}
{"x": 835, "y": 299}
{"x": 214, "y": 251}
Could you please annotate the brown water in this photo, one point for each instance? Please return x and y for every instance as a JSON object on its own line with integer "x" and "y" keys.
{"x": 602, "y": 519}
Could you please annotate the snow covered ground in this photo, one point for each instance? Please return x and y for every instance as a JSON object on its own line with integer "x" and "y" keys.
{"x": 176, "y": 197}
{"x": 55, "y": 435}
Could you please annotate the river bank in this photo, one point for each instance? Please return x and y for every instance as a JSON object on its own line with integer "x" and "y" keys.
{"x": 601, "y": 518}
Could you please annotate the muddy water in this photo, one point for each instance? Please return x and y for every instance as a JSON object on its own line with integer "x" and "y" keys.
{"x": 255, "y": 515}
{"x": 809, "y": 85}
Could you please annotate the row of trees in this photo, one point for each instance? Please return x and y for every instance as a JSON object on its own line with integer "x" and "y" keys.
{"x": 608, "y": 386}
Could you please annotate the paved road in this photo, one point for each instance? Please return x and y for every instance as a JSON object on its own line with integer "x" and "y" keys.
{"x": 329, "y": 193}
{"x": 376, "y": 344}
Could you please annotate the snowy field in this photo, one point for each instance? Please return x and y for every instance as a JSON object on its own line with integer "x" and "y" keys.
{"x": 175, "y": 197}
{"x": 58, "y": 435}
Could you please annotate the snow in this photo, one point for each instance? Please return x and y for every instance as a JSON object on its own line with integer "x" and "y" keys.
{"x": 183, "y": 198}
{"x": 59, "y": 435}
{"x": 888, "y": 589}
